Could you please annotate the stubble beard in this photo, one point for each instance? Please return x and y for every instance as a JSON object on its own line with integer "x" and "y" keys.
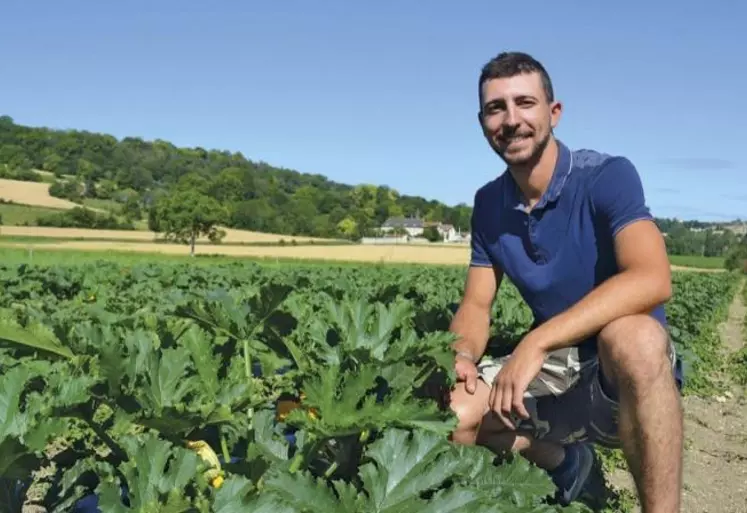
{"x": 528, "y": 162}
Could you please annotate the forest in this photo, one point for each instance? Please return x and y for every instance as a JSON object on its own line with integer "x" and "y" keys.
{"x": 254, "y": 195}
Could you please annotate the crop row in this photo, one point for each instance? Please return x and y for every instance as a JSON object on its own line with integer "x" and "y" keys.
{"x": 317, "y": 388}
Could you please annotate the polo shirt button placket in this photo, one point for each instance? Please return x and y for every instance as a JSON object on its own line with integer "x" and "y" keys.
{"x": 537, "y": 253}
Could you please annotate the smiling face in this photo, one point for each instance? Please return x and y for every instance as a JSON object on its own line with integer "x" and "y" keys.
{"x": 517, "y": 117}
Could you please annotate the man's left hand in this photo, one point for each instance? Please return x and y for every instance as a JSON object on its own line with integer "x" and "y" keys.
{"x": 507, "y": 393}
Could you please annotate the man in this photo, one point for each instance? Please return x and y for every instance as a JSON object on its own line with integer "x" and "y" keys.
{"x": 572, "y": 231}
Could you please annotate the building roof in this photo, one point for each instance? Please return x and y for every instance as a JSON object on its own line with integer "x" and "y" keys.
{"x": 404, "y": 222}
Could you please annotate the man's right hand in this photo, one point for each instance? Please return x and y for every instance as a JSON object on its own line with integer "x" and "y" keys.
{"x": 466, "y": 371}
{"x": 471, "y": 322}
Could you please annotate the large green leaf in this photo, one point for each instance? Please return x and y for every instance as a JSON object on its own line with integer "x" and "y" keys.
{"x": 301, "y": 491}
{"x": 35, "y": 337}
{"x": 404, "y": 466}
{"x": 157, "y": 474}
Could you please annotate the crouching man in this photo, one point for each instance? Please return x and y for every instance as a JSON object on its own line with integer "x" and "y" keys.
{"x": 571, "y": 230}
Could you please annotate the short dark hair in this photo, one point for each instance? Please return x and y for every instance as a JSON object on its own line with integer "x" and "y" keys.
{"x": 510, "y": 64}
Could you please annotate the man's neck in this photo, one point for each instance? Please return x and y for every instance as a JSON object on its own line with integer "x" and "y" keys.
{"x": 534, "y": 179}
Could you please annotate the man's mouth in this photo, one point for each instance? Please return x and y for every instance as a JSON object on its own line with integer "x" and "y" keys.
{"x": 518, "y": 138}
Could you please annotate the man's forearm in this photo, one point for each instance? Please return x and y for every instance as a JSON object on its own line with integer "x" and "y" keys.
{"x": 628, "y": 293}
{"x": 472, "y": 325}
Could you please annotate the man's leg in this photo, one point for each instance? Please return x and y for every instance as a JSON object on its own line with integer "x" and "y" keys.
{"x": 568, "y": 465}
{"x": 476, "y": 427}
{"x": 635, "y": 361}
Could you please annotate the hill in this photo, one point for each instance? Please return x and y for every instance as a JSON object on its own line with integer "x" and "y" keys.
{"x": 125, "y": 178}
{"x": 257, "y": 196}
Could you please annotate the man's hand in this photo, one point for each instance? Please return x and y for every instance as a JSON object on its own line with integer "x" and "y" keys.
{"x": 466, "y": 371}
{"x": 507, "y": 392}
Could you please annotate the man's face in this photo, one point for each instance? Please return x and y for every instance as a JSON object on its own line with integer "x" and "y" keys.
{"x": 516, "y": 117}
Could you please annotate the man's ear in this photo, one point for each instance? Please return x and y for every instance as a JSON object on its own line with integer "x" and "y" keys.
{"x": 556, "y": 110}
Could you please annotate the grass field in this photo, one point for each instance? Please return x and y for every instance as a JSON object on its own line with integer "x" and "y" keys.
{"x": 103, "y": 204}
{"x": 13, "y": 214}
{"x": 701, "y": 262}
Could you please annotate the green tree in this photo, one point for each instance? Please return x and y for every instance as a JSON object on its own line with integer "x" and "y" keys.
{"x": 736, "y": 258}
{"x": 131, "y": 208}
{"x": 186, "y": 215}
{"x": 431, "y": 233}
{"x": 348, "y": 227}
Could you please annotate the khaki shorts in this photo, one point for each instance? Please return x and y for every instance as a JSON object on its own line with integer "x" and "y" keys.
{"x": 567, "y": 404}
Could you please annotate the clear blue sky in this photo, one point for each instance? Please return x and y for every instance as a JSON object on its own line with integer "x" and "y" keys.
{"x": 385, "y": 92}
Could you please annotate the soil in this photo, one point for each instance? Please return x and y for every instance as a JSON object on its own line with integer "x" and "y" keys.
{"x": 715, "y": 459}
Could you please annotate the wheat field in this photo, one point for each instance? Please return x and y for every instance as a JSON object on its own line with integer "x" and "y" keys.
{"x": 349, "y": 253}
{"x": 32, "y": 193}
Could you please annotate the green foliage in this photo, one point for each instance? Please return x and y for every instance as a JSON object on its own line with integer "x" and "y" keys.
{"x": 25, "y": 175}
{"x": 130, "y": 366}
{"x": 698, "y": 239}
{"x": 736, "y": 259}
{"x": 256, "y": 196}
{"x": 66, "y": 189}
{"x": 701, "y": 303}
{"x": 80, "y": 217}
{"x": 185, "y": 215}
{"x": 738, "y": 360}
{"x": 431, "y": 233}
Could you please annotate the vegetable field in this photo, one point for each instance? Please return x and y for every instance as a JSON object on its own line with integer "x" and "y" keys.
{"x": 242, "y": 387}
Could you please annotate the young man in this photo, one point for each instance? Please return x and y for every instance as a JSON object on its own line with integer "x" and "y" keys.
{"x": 572, "y": 231}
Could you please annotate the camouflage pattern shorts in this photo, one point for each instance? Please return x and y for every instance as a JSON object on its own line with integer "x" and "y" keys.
{"x": 566, "y": 401}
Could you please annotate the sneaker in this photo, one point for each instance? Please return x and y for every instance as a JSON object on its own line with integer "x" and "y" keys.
{"x": 571, "y": 479}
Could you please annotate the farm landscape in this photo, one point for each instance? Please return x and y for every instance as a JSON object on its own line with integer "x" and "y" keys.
{"x": 292, "y": 369}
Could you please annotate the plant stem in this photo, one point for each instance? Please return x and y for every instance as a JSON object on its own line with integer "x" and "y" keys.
{"x": 247, "y": 360}
{"x": 330, "y": 470}
{"x": 224, "y": 447}
{"x": 302, "y": 458}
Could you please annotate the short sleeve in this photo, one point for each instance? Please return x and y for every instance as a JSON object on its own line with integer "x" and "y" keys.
{"x": 617, "y": 195}
{"x": 480, "y": 256}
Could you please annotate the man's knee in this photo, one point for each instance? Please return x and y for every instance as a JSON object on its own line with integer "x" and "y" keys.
{"x": 469, "y": 409}
{"x": 634, "y": 351}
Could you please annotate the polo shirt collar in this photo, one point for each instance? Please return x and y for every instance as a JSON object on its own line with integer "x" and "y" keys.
{"x": 563, "y": 166}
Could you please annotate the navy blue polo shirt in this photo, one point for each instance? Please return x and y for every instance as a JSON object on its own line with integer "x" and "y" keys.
{"x": 564, "y": 247}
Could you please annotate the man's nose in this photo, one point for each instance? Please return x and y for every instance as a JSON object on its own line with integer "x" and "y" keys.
{"x": 512, "y": 117}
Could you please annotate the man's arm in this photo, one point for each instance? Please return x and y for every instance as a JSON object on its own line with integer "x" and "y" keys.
{"x": 643, "y": 283}
{"x": 471, "y": 322}
{"x": 644, "y": 280}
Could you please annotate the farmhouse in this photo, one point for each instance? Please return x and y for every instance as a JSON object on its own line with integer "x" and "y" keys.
{"x": 412, "y": 225}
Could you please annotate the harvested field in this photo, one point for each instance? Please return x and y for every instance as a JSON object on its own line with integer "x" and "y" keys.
{"x": 232, "y": 236}
{"x": 32, "y": 193}
{"x": 358, "y": 253}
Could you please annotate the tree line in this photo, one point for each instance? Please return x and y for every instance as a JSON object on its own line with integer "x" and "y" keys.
{"x": 167, "y": 184}
{"x": 253, "y": 195}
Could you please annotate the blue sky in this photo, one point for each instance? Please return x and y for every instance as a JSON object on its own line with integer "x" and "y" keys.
{"x": 385, "y": 92}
